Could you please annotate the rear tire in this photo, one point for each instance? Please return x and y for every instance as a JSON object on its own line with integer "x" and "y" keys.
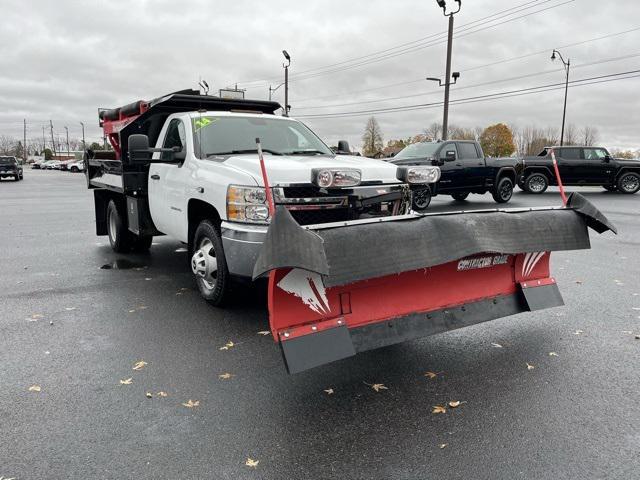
{"x": 209, "y": 265}
{"x": 629, "y": 183}
{"x": 119, "y": 236}
{"x": 503, "y": 191}
{"x": 16, "y": 178}
{"x": 460, "y": 196}
{"x": 536, "y": 183}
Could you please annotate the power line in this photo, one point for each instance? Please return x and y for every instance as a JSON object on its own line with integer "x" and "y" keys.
{"x": 505, "y": 60}
{"x": 491, "y": 82}
{"x": 469, "y": 31}
{"x": 504, "y": 94}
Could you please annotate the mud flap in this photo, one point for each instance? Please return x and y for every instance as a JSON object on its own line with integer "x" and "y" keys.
{"x": 308, "y": 351}
{"x": 543, "y": 296}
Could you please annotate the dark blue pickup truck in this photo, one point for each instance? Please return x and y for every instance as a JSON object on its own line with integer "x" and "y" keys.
{"x": 465, "y": 170}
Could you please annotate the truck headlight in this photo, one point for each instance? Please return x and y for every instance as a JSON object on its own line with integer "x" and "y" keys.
{"x": 247, "y": 204}
{"x": 336, "y": 177}
{"x": 418, "y": 174}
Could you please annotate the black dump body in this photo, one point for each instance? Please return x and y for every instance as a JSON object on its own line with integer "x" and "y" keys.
{"x": 150, "y": 123}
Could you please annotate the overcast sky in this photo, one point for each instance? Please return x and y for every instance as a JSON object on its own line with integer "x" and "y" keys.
{"x": 61, "y": 60}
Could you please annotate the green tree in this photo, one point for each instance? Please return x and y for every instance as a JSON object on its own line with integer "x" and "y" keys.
{"x": 372, "y": 141}
{"x": 48, "y": 154}
{"x": 497, "y": 141}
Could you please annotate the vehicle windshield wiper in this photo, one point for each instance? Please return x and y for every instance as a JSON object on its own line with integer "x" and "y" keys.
{"x": 248, "y": 150}
{"x": 310, "y": 151}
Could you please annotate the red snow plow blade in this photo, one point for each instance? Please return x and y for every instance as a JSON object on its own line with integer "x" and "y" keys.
{"x": 339, "y": 289}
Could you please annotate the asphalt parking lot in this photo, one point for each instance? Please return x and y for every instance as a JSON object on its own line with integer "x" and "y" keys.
{"x": 76, "y": 318}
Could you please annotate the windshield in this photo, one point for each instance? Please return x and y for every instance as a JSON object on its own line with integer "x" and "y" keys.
{"x": 228, "y": 135}
{"x": 418, "y": 150}
{"x": 7, "y": 160}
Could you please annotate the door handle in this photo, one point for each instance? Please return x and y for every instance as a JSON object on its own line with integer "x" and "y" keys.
{"x": 155, "y": 176}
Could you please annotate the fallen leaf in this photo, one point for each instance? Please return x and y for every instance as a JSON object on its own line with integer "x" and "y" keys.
{"x": 148, "y": 278}
{"x": 431, "y": 375}
{"x": 378, "y": 386}
{"x": 579, "y": 282}
{"x": 637, "y": 337}
{"x": 34, "y": 388}
{"x": 191, "y": 403}
{"x": 578, "y": 332}
{"x": 69, "y": 309}
{"x": 264, "y": 332}
{"x": 178, "y": 293}
{"x": 227, "y": 345}
{"x": 226, "y": 376}
{"x": 329, "y": 391}
{"x": 126, "y": 381}
{"x": 162, "y": 394}
{"x": 140, "y": 365}
{"x": 438, "y": 409}
{"x": 529, "y": 366}
{"x": 142, "y": 307}
{"x": 553, "y": 354}
{"x": 628, "y": 332}
{"x": 632, "y": 308}
{"x": 497, "y": 345}
{"x": 454, "y": 404}
{"x": 149, "y": 395}
{"x": 252, "y": 463}
{"x": 37, "y": 315}
{"x": 442, "y": 445}
{"x": 180, "y": 250}
{"x": 131, "y": 311}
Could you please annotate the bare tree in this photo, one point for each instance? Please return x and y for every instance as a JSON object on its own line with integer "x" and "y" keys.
{"x": 7, "y": 145}
{"x": 433, "y": 131}
{"x": 589, "y": 135}
{"x": 571, "y": 135}
{"x": 372, "y": 138}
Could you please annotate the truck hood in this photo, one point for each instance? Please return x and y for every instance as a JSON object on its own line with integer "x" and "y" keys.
{"x": 630, "y": 162}
{"x": 291, "y": 169}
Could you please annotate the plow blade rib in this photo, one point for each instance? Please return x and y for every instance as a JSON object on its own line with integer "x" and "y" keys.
{"x": 335, "y": 290}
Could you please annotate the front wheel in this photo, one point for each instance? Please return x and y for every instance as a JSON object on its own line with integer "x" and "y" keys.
{"x": 209, "y": 265}
{"x": 629, "y": 182}
{"x": 503, "y": 191}
{"x": 460, "y": 196}
{"x": 421, "y": 199}
{"x": 536, "y": 183}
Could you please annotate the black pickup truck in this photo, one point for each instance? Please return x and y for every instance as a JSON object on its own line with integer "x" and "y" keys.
{"x": 10, "y": 167}
{"x": 580, "y": 166}
{"x": 464, "y": 170}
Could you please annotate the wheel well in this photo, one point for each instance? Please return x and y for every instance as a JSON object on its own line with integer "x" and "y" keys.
{"x": 627, "y": 170}
{"x": 101, "y": 200}
{"x": 507, "y": 172}
{"x": 197, "y": 211}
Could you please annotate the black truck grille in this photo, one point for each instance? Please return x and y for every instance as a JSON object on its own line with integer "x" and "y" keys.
{"x": 311, "y": 217}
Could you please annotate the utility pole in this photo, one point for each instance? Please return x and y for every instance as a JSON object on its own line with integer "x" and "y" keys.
{"x": 447, "y": 82}
{"x": 286, "y": 82}
{"x": 84, "y": 145}
{"x": 567, "y": 65}
{"x": 53, "y": 142}
{"x": 67, "y": 129}
{"x": 44, "y": 143}
{"x": 24, "y": 144}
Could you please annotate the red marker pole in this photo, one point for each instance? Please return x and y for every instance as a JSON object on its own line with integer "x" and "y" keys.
{"x": 265, "y": 179}
{"x": 558, "y": 179}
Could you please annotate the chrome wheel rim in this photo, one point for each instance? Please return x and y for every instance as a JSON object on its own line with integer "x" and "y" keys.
{"x": 204, "y": 264}
{"x": 536, "y": 184}
{"x": 112, "y": 227}
{"x": 629, "y": 183}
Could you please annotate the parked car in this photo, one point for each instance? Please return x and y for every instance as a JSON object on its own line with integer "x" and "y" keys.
{"x": 465, "y": 169}
{"x": 10, "y": 167}
{"x": 77, "y": 166}
{"x": 580, "y": 166}
{"x": 37, "y": 164}
{"x": 64, "y": 164}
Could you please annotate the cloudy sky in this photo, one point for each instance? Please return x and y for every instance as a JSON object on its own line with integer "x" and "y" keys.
{"x": 61, "y": 60}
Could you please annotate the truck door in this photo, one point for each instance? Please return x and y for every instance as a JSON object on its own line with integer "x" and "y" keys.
{"x": 167, "y": 185}
{"x": 570, "y": 164}
{"x": 472, "y": 167}
{"x": 596, "y": 169}
{"x": 449, "y": 169}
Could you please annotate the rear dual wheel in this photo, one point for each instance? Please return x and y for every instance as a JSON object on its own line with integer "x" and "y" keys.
{"x": 120, "y": 238}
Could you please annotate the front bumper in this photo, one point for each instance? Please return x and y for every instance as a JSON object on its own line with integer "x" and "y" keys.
{"x": 242, "y": 243}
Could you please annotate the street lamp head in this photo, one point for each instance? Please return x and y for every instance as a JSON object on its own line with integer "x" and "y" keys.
{"x": 286, "y": 55}
{"x": 442, "y": 4}
{"x": 553, "y": 56}
{"x": 455, "y": 75}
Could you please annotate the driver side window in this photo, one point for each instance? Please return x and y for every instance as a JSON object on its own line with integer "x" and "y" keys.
{"x": 175, "y": 137}
{"x": 448, "y": 147}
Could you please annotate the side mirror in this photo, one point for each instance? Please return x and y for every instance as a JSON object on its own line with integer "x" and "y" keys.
{"x": 180, "y": 155}
{"x": 450, "y": 155}
{"x": 607, "y": 158}
{"x": 139, "y": 151}
{"x": 343, "y": 147}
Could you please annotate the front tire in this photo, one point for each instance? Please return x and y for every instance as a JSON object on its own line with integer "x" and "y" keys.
{"x": 503, "y": 191}
{"x": 460, "y": 196}
{"x": 536, "y": 183}
{"x": 421, "y": 199}
{"x": 629, "y": 183}
{"x": 209, "y": 265}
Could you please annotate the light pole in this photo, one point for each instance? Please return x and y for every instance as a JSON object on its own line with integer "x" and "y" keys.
{"x": 445, "y": 123}
{"x": 67, "y": 129}
{"x": 567, "y": 65}
{"x": 445, "y": 119}
{"x": 84, "y": 145}
{"x": 271, "y": 90}
{"x": 286, "y": 82}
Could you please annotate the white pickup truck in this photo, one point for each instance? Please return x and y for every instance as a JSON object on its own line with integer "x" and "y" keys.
{"x": 202, "y": 183}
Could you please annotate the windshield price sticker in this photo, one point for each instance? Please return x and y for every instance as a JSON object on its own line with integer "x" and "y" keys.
{"x": 482, "y": 262}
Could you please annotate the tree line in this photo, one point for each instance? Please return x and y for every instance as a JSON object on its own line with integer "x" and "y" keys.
{"x": 14, "y": 147}
{"x": 497, "y": 140}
